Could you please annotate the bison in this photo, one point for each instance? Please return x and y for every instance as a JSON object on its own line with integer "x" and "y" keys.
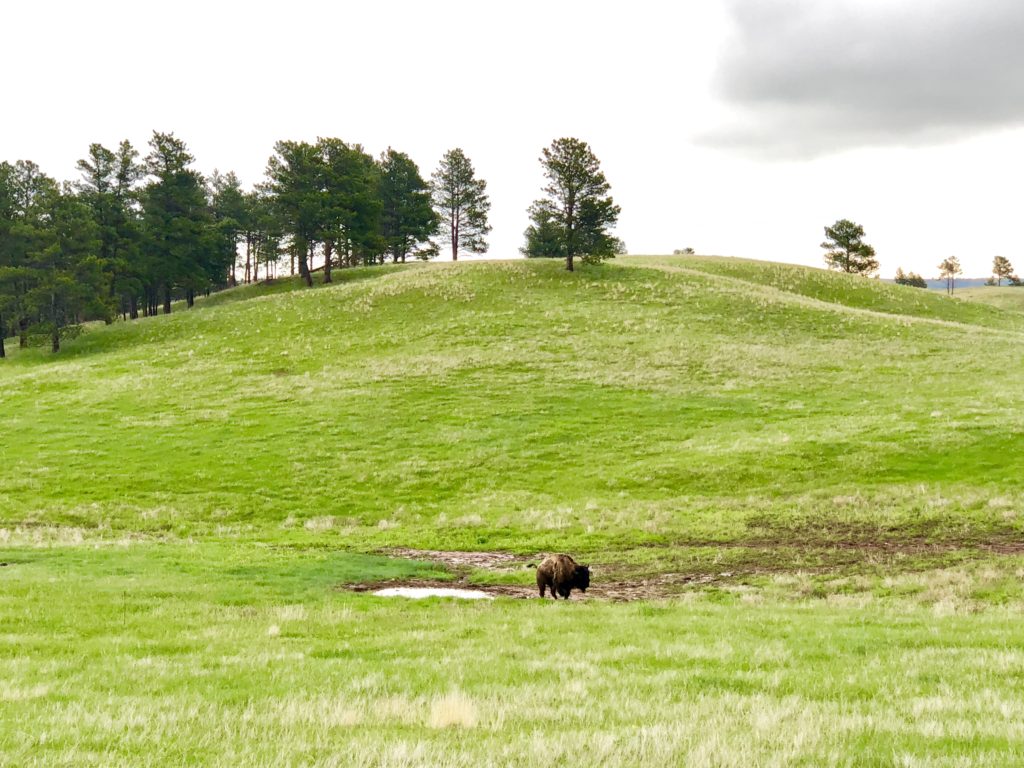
{"x": 562, "y": 574}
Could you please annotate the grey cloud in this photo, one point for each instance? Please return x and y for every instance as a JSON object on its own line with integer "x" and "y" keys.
{"x": 810, "y": 77}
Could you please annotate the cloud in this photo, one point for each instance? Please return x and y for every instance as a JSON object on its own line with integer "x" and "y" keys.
{"x": 809, "y": 77}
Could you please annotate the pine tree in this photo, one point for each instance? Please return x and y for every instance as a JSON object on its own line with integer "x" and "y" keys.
{"x": 295, "y": 176}
{"x": 462, "y": 204}
{"x": 1001, "y": 269}
{"x": 407, "y": 219}
{"x": 350, "y": 204}
{"x": 949, "y": 269}
{"x": 182, "y": 244}
{"x": 578, "y": 210}
{"x": 109, "y": 187}
{"x": 846, "y": 249}
{"x": 230, "y": 211}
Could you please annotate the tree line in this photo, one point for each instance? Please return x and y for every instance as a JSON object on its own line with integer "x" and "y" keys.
{"x": 135, "y": 233}
{"x": 846, "y": 251}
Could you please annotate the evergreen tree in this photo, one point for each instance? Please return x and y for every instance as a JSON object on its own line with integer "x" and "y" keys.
{"x": 910, "y": 278}
{"x": 1001, "y": 269}
{"x": 949, "y": 269}
{"x": 68, "y": 278}
{"x": 183, "y": 246}
{"x": 846, "y": 249}
{"x": 295, "y": 177}
{"x": 231, "y": 213}
{"x": 544, "y": 237}
{"x": 407, "y": 219}
{"x": 350, "y": 204}
{"x": 109, "y": 187}
{"x": 578, "y": 210}
{"x": 462, "y": 204}
{"x": 27, "y": 202}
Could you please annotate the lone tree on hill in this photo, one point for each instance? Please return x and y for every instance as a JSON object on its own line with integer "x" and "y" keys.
{"x": 949, "y": 269}
{"x": 575, "y": 217}
{"x": 461, "y": 202}
{"x": 1001, "y": 269}
{"x": 910, "y": 278}
{"x": 846, "y": 250}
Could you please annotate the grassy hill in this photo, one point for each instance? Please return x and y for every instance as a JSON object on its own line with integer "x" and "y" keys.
{"x": 823, "y": 469}
{"x": 1003, "y": 297}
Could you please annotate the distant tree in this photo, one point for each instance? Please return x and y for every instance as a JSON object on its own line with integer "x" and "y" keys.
{"x": 68, "y": 276}
{"x": 620, "y": 246}
{"x": 27, "y": 198}
{"x": 295, "y": 177}
{"x": 408, "y": 220}
{"x": 948, "y": 270}
{"x": 182, "y": 243}
{"x": 846, "y": 250}
{"x": 1001, "y": 269}
{"x": 461, "y": 202}
{"x": 109, "y": 186}
{"x": 350, "y": 204}
{"x": 910, "y": 278}
{"x": 8, "y": 269}
{"x": 1015, "y": 281}
{"x": 578, "y": 211}
{"x": 230, "y": 208}
{"x": 683, "y": 252}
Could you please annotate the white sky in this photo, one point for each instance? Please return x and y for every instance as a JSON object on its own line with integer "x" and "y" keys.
{"x": 646, "y": 83}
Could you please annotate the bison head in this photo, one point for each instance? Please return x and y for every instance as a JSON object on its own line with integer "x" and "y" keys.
{"x": 582, "y": 577}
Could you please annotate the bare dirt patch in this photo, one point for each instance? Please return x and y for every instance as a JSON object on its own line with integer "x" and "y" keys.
{"x": 463, "y": 560}
{"x": 616, "y": 589}
{"x": 660, "y": 587}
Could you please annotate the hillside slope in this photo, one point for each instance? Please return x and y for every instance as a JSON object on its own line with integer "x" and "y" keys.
{"x": 515, "y": 406}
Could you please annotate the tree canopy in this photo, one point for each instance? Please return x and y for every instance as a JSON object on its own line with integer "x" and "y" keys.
{"x": 576, "y": 214}
{"x": 910, "y": 278}
{"x": 461, "y": 202}
{"x": 948, "y": 270}
{"x": 1002, "y": 269}
{"x": 846, "y": 250}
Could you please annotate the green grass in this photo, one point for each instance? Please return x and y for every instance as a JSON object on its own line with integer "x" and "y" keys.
{"x": 191, "y": 655}
{"x": 1003, "y": 297}
{"x": 831, "y": 462}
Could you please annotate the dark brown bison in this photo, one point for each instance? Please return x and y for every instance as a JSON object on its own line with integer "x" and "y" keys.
{"x": 562, "y": 575}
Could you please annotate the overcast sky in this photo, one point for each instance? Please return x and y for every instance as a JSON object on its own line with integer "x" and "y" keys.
{"x": 736, "y": 127}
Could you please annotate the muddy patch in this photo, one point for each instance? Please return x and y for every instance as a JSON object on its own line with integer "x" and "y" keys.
{"x": 659, "y": 588}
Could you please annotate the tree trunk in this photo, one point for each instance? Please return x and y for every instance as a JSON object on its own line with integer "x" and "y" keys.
{"x": 328, "y": 250}
{"x": 568, "y": 262}
{"x": 133, "y": 307}
{"x": 293, "y": 260}
{"x": 55, "y": 338}
{"x": 167, "y": 299}
{"x": 304, "y": 265}
{"x": 23, "y": 333}
{"x": 3, "y": 332}
{"x": 455, "y": 239}
{"x": 248, "y": 258}
{"x": 190, "y": 298}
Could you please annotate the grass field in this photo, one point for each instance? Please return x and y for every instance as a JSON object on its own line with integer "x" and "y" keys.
{"x": 811, "y": 481}
{"x": 1004, "y": 297}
